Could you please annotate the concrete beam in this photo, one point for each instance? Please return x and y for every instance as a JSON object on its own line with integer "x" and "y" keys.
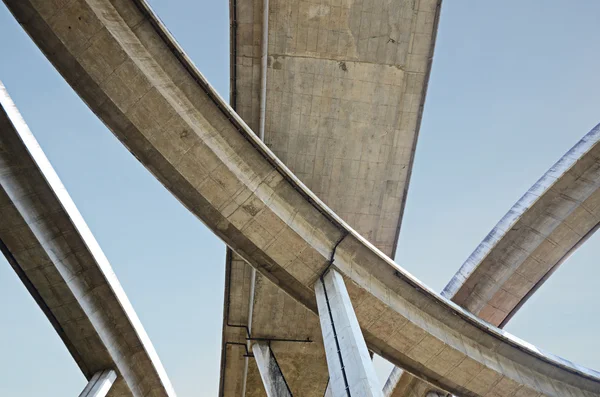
{"x": 100, "y": 384}
{"x": 539, "y": 233}
{"x": 351, "y": 371}
{"x": 164, "y": 111}
{"x": 272, "y": 377}
{"x": 52, "y": 250}
{"x": 552, "y": 219}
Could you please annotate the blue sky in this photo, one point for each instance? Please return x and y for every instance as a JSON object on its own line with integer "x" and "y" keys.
{"x": 514, "y": 85}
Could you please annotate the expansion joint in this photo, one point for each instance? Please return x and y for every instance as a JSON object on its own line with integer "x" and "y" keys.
{"x": 332, "y": 256}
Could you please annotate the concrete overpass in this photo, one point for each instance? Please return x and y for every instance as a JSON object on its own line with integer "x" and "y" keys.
{"x": 48, "y": 244}
{"x": 336, "y": 91}
{"x": 552, "y": 219}
{"x": 254, "y": 78}
{"x": 128, "y": 69}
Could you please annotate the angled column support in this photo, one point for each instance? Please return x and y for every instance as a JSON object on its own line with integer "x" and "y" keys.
{"x": 270, "y": 373}
{"x": 100, "y": 384}
{"x": 351, "y": 371}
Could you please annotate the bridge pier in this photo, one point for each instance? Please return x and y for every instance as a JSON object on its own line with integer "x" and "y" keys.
{"x": 270, "y": 373}
{"x": 100, "y": 384}
{"x": 351, "y": 371}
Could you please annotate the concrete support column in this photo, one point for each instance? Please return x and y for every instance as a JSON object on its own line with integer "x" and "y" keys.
{"x": 100, "y": 384}
{"x": 351, "y": 371}
{"x": 270, "y": 373}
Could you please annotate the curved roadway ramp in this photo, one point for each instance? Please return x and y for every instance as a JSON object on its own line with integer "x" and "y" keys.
{"x": 131, "y": 73}
{"x": 48, "y": 244}
{"x": 336, "y": 90}
{"x": 554, "y": 218}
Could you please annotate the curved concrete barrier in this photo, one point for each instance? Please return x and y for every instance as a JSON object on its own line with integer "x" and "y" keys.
{"x": 131, "y": 73}
{"x": 50, "y": 247}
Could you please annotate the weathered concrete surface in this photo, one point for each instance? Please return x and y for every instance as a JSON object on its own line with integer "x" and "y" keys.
{"x": 53, "y": 252}
{"x": 401, "y": 383}
{"x": 336, "y": 88}
{"x": 252, "y": 300}
{"x": 238, "y": 284}
{"x": 351, "y": 370}
{"x": 270, "y": 373}
{"x": 163, "y": 110}
{"x": 100, "y": 384}
{"x": 552, "y": 219}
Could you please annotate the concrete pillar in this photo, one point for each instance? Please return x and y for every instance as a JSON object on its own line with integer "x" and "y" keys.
{"x": 270, "y": 373}
{"x": 100, "y": 384}
{"x": 351, "y": 371}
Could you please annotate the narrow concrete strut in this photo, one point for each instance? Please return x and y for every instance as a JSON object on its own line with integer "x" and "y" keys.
{"x": 164, "y": 111}
{"x": 351, "y": 371}
{"x": 100, "y": 384}
{"x": 270, "y": 372}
